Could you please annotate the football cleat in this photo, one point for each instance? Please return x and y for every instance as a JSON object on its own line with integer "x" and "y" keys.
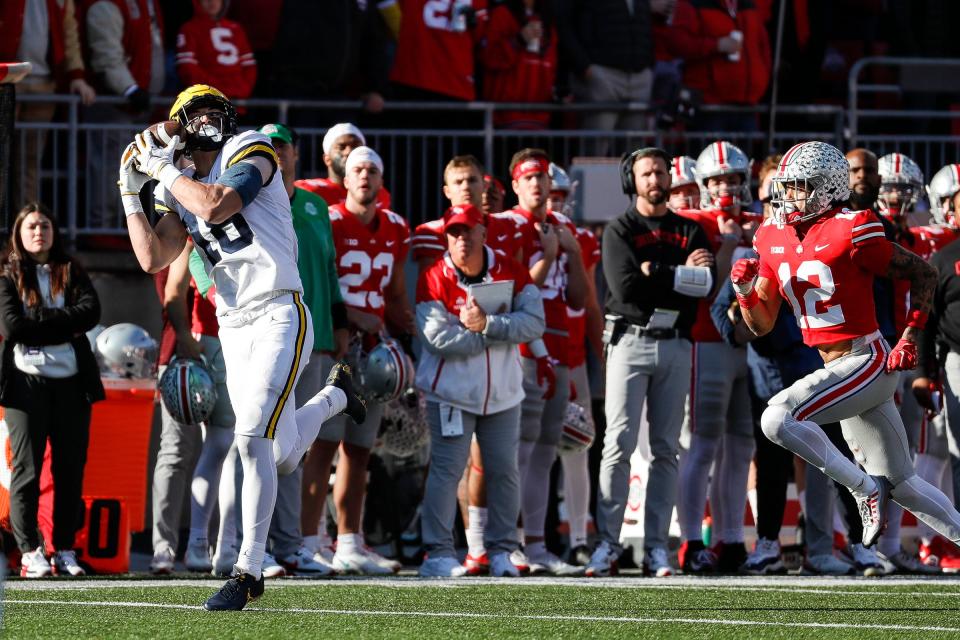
{"x": 579, "y": 555}
{"x": 697, "y": 558}
{"x": 341, "y": 377}
{"x": 358, "y": 563}
{"x": 827, "y": 564}
{"x": 656, "y": 563}
{"x": 543, "y": 561}
{"x": 270, "y": 568}
{"x": 603, "y": 562}
{"x": 235, "y": 594}
{"x": 730, "y": 556}
{"x": 520, "y": 561}
{"x": 386, "y": 563}
{"x": 765, "y": 559}
{"x": 162, "y": 562}
{"x": 197, "y": 557}
{"x": 34, "y": 564}
{"x": 65, "y": 564}
{"x": 865, "y": 561}
{"x": 442, "y": 567}
{"x": 873, "y": 511}
{"x": 502, "y": 567}
{"x": 904, "y": 563}
{"x": 305, "y": 563}
{"x": 477, "y": 566}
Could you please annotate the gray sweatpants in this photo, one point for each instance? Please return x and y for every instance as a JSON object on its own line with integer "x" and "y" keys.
{"x": 641, "y": 370}
{"x": 498, "y": 435}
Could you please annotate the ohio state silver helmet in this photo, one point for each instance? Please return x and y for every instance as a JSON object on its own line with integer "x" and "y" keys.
{"x": 386, "y": 371}
{"x": 127, "y": 351}
{"x": 723, "y": 158}
{"x": 898, "y": 173}
{"x": 943, "y": 186}
{"x": 683, "y": 171}
{"x": 188, "y": 391}
{"x": 820, "y": 171}
{"x": 578, "y": 430}
{"x": 559, "y": 180}
{"x": 404, "y": 430}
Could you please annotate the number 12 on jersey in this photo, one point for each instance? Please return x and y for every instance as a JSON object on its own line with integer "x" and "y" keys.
{"x": 809, "y": 292}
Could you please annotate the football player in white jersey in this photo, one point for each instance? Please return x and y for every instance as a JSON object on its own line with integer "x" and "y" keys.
{"x": 239, "y": 218}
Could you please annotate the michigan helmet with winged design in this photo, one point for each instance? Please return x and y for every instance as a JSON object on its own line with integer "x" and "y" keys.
{"x": 816, "y": 169}
{"x": 386, "y": 371}
{"x": 578, "y": 430}
{"x": 721, "y": 158}
{"x": 204, "y": 136}
{"x": 943, "y": 186}
{"x": 404, "y": 430}
{"x": 188, "y": 391}
{"x": 127, "y": 351}
{"x": 901, "y": 182}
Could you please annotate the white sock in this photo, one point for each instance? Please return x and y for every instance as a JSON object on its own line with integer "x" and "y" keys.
{"x": 259, "y": 496}
{"x": 536, "y": 489}
{"x": 694, "y": 480}
{"x": 729, "y": 497}
{"x": 206, "y": 480}
{"x": 349, "y": 542}
{"x": 576, "y": 494}
{"x": 478, "y": 521}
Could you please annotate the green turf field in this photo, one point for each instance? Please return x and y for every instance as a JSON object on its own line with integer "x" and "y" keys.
{"x": 411, "y": 608}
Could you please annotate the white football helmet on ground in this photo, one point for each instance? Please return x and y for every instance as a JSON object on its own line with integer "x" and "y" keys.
{"x": 578, "y": 430}
{"x": 127, "y": 351}
{"x": 385, "y": 372}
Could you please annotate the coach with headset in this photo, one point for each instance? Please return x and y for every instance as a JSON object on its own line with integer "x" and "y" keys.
{"x": 657, "y": 265}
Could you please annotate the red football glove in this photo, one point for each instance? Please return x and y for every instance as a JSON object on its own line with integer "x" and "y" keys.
{"x": 744, "y": 275}
{"x": 903, "y": 357}
{"x": 546, "y": 376}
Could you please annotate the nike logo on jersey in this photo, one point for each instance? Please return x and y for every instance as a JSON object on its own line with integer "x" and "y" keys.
{"x": 776, "y": 250}
{"x": 501, "y": 238}
{"x": 390, "y": 243}
{"x": 821, "y": 247}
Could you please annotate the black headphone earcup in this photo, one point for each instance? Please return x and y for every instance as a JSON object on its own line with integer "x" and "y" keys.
{"x": 626, "y": 174}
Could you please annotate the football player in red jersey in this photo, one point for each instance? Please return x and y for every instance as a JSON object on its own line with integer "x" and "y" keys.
{"x": 339, "y": 141}
{"x": 493, "y": 195}
{"x": 550, "y": 250}
{"x": 371, "y": 244}
{"x": 822, "y": 259}
{"x": 719, "y": 413}
{"x": 213, "y": 50}
{"x": 684, "y": 192}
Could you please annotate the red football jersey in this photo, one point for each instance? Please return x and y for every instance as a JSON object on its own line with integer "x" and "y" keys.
{"x": 931, "y": 238}
{"x": 333, "y": 193}
{"x": 204, "y": 316}
{"x": 429, "y": 241}
{"x": 577, "y": 320}
{"x": 435, "y": 49}
{"x": 216, "y": 52}
{"x": 366, "y": 255}
{"x": 827, "y": 277}
{"x": 553, "y": 290}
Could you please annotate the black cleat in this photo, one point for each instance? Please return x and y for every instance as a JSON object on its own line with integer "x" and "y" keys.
{"x": 341, "y": 377}
{"x": 235, "y": 594}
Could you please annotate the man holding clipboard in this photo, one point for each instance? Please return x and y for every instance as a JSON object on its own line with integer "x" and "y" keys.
{"x": 470, "y": 373}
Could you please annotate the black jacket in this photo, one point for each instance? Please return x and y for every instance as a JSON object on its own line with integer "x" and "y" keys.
{"x": 943, "y": 325}
{"x": 47, "y": 326}
{"x": 605, "y": 32}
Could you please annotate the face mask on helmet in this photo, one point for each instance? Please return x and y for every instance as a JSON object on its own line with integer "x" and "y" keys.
{"x": 790, "y": 199}
{"x": 206, "y": 132}
{"x": 210, "y": 130}
{"x": 897, "y": 199}
{"x": 725, "y": 195}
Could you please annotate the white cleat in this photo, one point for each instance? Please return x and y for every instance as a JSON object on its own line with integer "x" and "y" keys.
{"x": 873, "y": 511}
{"x": 305, "y": 563}
{"x": 34, "y": 564}
{"x": 903, "y": 563}
{"x": 656, "y": 563}
{"x": 442, "y": 567}
{"x": 271, "y": 568}
{"x": 547, "y": 562}
{"x": 162, "y": 563}
{"x": 357, "y": 563}
{"x": 764, "y": 559}
{"x": 386, "y": 563}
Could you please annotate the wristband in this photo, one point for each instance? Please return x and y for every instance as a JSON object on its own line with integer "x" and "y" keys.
{"x": 169, "y": 175}
{"x": 131, "y": 204}
{"x": 916, "y": 319}
{"x": 748, "y": 301}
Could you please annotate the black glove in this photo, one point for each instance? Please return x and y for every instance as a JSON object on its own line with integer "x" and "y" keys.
{"x": 139, "y": 100}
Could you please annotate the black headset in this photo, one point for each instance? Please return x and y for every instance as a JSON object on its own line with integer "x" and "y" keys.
{"x": 626, "y": 168}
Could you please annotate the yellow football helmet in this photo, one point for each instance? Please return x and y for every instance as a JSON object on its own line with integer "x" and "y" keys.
{"x": 204, "y": 136}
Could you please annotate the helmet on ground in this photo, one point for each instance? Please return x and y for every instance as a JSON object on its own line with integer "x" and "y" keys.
{"x": 722, "y": 158}
{"x": 127, "y": 351}
{"x": 204, "y": 136}
{"x": 578, "y": 430}
{"x": 386, "y": 372}
{"x": 404, "y": 429}
{"x": 901, "y": 176}
{"x": 943, "y": 186}
{"x": 818, "y": 171}
{"x": 188, "y": 391}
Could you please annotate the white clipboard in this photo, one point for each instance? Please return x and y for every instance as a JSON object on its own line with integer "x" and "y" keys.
{"x": 493, "y": 297}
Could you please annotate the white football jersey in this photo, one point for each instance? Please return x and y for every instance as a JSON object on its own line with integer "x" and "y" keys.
{"x": 252, "y": 256}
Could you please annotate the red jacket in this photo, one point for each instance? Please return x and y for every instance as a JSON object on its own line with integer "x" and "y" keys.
{"x": 514, "y": 74}
{"x": 11, "y": 30}
{"x": 697, "y": 25}
{"x": 216, "y": 52}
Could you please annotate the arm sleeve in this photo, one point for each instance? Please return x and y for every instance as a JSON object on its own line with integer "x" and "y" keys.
{"x": 525, "y": 323}
{"x": 199, "y": 272}
{"x": 105, "y": 38}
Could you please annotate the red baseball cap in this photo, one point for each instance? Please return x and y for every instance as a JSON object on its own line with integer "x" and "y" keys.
{"x": 466, "y": 214}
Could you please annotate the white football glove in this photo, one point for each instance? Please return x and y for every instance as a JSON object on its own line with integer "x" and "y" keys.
{"x": 157, "y": 161}
{"x": 131, "y": 181}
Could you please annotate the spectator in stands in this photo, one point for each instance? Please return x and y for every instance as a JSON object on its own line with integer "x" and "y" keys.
{"x": 338, "y": 142}
{"x": 48, "y": 381}
{"x": 214, "y": 50}
{"x": 125, "y": 42}
{"x": 610, "y": 48}
{"x": 520, "y": 60}
{"x": 435, "y": 53}
{"x": 727, "y": 57}
{"x": 45, "y": 35}
{"x": 461, "y": 340}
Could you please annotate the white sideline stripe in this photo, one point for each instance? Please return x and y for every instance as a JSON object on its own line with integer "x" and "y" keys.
{"x": 488, "y": 616}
